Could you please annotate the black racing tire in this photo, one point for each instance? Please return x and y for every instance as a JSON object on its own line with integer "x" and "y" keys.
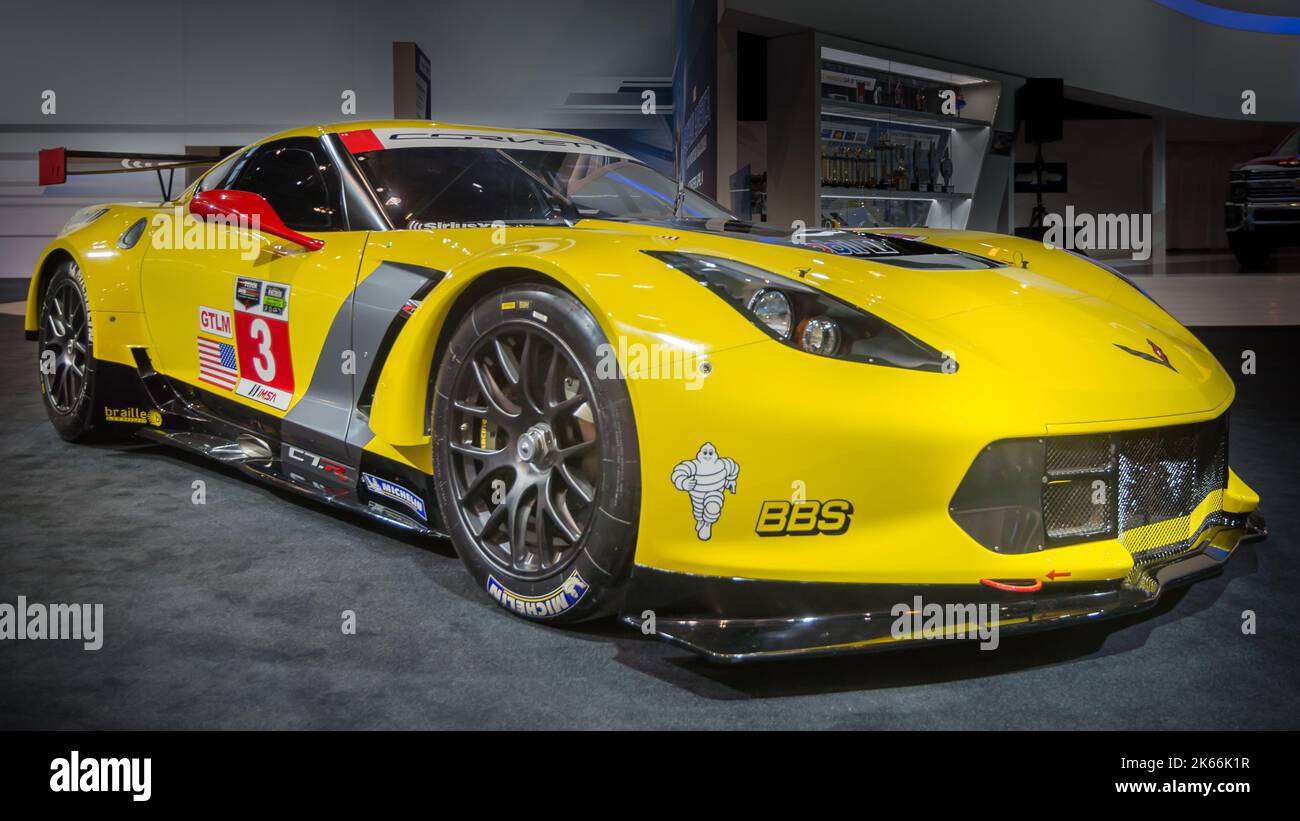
{"x": 547, "y": 529}
{"x": 1251, "y": 253}
{"x": 69, "y": 374}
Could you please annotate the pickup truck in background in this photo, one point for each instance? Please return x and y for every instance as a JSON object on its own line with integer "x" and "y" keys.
{"x": 1263, "y": 208}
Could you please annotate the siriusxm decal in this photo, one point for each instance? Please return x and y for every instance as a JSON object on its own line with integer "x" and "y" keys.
{"x": 394, "y": 491}
{"x": 562, "y": 598}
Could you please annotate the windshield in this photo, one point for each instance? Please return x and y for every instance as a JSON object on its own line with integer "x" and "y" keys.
{"x": 429, "y": 187}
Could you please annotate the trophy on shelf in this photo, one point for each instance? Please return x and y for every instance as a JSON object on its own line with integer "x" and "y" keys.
{"x": 883, "y": 164}
{"x": 932, "y": 168}
{"x": 878, "y": 94}
{"x": 945, "y": 168}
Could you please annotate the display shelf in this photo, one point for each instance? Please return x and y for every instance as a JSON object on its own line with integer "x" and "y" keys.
{"x": 890, "y": 114}
{"x": 853, "y": 133}
{"x": 904, "y": 140}
{"x": 830, "y": 191}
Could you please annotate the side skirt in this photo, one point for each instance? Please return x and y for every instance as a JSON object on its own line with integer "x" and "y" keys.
{"x": 225, "y": 431}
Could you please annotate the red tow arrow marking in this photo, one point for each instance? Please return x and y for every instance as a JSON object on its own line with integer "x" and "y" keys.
{"x": 1056, "y": 574}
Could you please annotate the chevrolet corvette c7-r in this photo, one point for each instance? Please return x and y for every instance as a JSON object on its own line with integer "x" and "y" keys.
{"x": 615, "y": 398}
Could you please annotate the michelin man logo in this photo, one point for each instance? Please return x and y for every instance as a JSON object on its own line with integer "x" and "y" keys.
{"x": 705, "y": 478}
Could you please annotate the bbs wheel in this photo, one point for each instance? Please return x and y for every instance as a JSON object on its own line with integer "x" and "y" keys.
{"x": 66, "y": 358}
{"x": 535, "y": 459}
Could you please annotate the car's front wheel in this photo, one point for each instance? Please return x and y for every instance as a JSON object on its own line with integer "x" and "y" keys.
{"x": 536, "y": 464}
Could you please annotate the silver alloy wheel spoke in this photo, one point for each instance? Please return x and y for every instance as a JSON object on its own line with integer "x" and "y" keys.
{"x": 586, "y": 493}
{"x": 64, "y": 333}
{"x": 488, "y": 387}
{"x": 476, "y": 484}
{"x": 510, "y": 394}
{"x": 506, "y": 357}
{"x": 568, "y": 529}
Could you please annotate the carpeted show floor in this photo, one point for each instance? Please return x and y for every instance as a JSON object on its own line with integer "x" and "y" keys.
{"x": 227, "y": 615}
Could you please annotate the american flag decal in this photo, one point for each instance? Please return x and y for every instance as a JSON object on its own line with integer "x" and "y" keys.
{"x": 217, "y": 365}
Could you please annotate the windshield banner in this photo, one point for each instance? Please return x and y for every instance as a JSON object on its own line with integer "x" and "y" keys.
{"x": 381, "y": 138}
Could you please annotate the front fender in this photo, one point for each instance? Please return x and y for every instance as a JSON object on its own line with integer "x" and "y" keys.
{"x": 637, "y": 301}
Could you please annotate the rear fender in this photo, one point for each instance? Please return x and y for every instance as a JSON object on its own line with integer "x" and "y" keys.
{"x": 112, "y": 271}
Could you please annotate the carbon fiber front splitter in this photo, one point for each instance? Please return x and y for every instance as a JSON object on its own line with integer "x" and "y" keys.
{"x": 731, "y": 620}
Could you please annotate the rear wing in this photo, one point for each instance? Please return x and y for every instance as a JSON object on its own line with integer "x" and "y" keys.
{"x": 57, "y": 164}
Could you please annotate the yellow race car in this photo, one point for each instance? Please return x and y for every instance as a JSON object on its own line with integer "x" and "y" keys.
{"x": 614, "y": 397}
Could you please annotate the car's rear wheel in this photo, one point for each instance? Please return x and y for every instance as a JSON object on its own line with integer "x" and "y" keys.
{"x": 70, "y": 380}
{"x": 535, "y": 457}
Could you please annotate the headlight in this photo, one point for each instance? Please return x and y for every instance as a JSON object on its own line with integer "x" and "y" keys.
{"x": 770, "y": 307}
{"x": 83, "y": 218}
{"x": 803, "y": 317}
{"x": 820, "y": 335}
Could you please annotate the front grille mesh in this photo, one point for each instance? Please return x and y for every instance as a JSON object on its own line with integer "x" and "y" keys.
{"x": 1163, "y": 477}
{"x": 1076, "y": 509}
{"x": 1151, "y": 484}
{"x": 1069, "y": 455}
{"x": 1157, "y": 475}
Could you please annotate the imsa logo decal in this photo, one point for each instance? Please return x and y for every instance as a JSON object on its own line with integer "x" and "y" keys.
{"x": 265, "y": 364}
{"x": 559, "y": 600}
{"x": 810, "y": 518}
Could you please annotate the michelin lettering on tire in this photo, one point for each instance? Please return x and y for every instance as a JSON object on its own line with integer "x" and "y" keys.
{"x": 558, "y": 601}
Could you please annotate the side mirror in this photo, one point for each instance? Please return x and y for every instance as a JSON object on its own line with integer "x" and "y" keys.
{"x": 250, "y": 212}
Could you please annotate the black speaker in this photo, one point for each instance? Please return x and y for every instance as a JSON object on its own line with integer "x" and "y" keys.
{"x": 1042, "y": 108}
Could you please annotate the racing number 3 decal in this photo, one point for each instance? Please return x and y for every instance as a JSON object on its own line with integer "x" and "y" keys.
{"x": 262, "y": 341}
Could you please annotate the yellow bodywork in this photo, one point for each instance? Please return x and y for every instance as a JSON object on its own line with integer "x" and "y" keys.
{"x": 1035, "y": 342}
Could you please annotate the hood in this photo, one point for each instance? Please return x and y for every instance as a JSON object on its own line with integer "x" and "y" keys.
{"x": 879, "y": 245}
{"x": 1054, "y": 332}
{"x": 897, "y": 276}
{"x": 1089, "y": 360}
{"x": 1270, "y": 163}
